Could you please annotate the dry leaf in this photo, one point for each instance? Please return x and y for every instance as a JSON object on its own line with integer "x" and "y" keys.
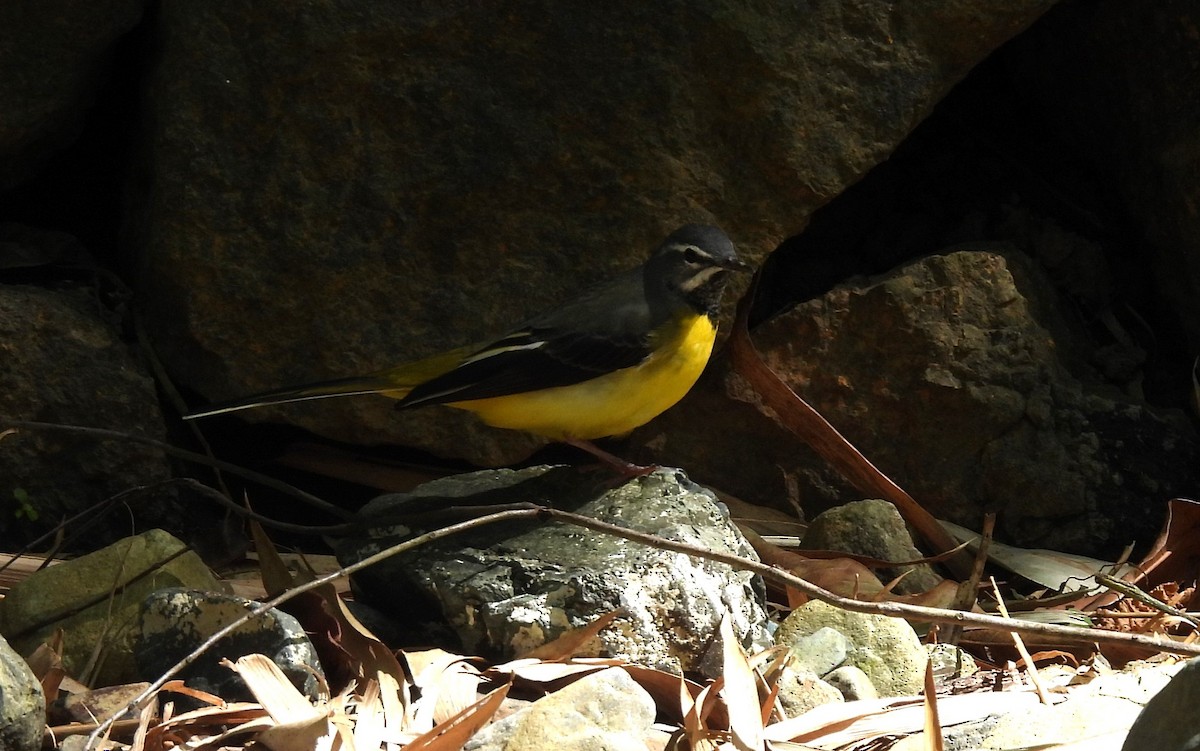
{"x": 178, "y": 687}
{"x": 454, "y": 732}
{"x": 798, "y": 416}
{"x": 1175, "y": 555}
{"x": 97, "y": 705}
{"x": 665, "y": 688}
{"x": 245, "y": 716}
{"x": 448, "y": 683}
{"x": 573, "y": 641}
{"x": 933, "y": 725}
{"x": 843, "y": 576}
{"x": 370, "y": 728}
{"x": 47, "y": 665}
{"x": 276, "y": 577}
{"x": 695, "y": 730}
{"x": 836, "y": 725}
{"x": 537, "y": 671}
{"x": 1049, "y": 568}
{"x": 740, "y": 692}
{"x": 296, "y": 724}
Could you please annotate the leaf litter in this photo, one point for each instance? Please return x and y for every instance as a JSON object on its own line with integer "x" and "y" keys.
{"x": 434, "y": 700}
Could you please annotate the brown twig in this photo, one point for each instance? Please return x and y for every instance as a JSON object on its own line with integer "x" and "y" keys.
{"x": 1019, "y": 643}
{"x": 968, "y": 591}
{"x": 191, "y": 456}
{"x": 810, "y": 426}
{"x": 920, "y": 613}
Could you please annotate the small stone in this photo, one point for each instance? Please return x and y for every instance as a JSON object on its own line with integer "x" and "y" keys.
{"x": 872, "y": 528}
{"x": 821, "y": 651}
{"x": 853, "y": 683}
{"x": 173, "y": 622}
{"x": 886, "y": 649}
{"x": 112, "y": 583}
{"x": 605, "y": 711}
{"x": 802, "y": 690}
{"x": 950, "y": 661}
{"x": 22, "y": 703}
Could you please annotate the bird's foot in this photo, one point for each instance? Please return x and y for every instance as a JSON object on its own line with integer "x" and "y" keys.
{"x": 625, "y": 470}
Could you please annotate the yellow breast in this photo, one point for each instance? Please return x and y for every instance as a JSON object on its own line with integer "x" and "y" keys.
{"x": 611, "y": 404}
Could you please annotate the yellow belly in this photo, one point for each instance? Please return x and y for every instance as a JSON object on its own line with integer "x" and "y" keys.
{"x": 611, "y": 404}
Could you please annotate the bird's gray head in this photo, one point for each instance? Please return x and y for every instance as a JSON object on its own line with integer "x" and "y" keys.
{"x": 693, "y": 263}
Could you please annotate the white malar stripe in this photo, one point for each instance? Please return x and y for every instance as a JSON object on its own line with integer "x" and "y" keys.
{"x": 700, "y": 278}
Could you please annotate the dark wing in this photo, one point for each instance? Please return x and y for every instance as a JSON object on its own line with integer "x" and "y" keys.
{"x": 607, "y": 330}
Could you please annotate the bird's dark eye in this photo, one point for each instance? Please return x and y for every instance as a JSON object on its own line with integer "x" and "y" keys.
{"x": 691, "y": 255}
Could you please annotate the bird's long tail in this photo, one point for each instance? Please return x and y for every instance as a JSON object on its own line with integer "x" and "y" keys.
{"x": 394, "y": 382}
{"x": 324, "y": 390}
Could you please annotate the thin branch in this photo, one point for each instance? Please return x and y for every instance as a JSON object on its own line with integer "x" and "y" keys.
{"x": 1019, "y": 643}
{"x": 136, "y": 704}
{"x": 190, "y": 456}
{"x": 922, "y": 613}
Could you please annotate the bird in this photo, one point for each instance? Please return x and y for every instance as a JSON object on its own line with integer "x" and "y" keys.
{"x": 599, "y": 365}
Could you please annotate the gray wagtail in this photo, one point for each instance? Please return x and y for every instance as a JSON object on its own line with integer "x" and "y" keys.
{"x": 600, "y": 365}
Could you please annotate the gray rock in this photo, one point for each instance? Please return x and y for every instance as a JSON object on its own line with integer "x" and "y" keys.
{"x": 506, "y": 589}
{"x": 821, "y": 651}
{"x": 173, "y": 622}
{"x": 886, "y": 649}
{"x": 950, "y": 661}
{"x": 55, "y": 59}
{"x": 1078, "y": 719}
{"x": 1025, "y": 425}
{"x": 455, "y": 166}
{"x": 853, "y": 683}
{"x": 801, "y": 690}
{"x": 63, "y": 363}
{"x": 605, "y": 711}
{"x": 1169, "y": 721}
{"x": 22, "y": 703}
{"x": 872, "y": 528}
{"x": 96, "y": 599}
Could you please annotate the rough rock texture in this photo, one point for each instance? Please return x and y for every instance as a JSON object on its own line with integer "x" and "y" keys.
{"x": 95, "y": 600}
{"x": 801, "y": 690}
{"x": 821, "y": 651}
{"x": 872, "y": 528}
{"x": 853, "y": 683}
{"x": 172, "y": 622}
{"x": 950, "y": 661}
{"x": 947, "y": 374}
{"x": 886, "y": 649}
{"x": 54, "y": 58}
{"x": 64, "y": 363}
{"x": 364, "y": 183}
{"x": 605, "y": 711}
{"x": 22, "y": 703}
{"x": 506, "y": 589}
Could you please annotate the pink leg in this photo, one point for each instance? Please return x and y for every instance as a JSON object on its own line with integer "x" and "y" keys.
{"x": 627, "y": 470}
